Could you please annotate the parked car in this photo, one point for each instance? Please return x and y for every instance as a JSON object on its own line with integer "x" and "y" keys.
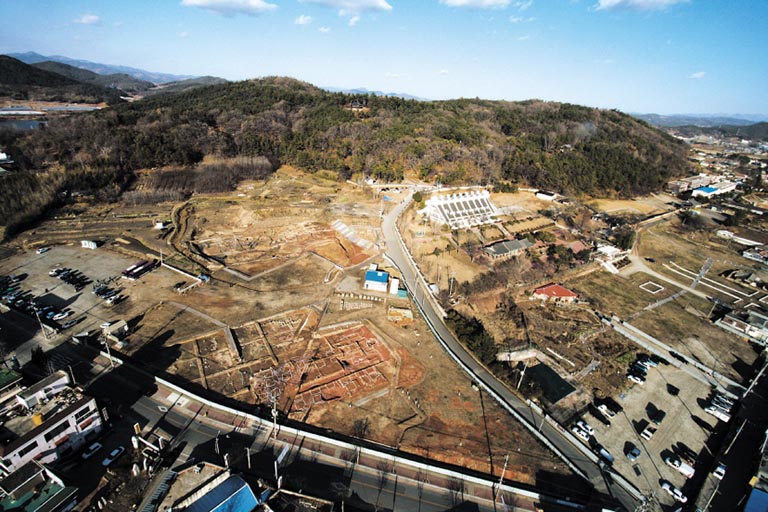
{"x": 113, "y": 456}
{"x": 658, "y": 416}
{"x": 586, "y": 427}
{"x": 647, "y": 433}
{"x": 42, "y": 250}
{"x": 679, "y": 465}
{"x": 674, "y": 492}
{"x": 61, "y": 316}
{"x": 603, "y": 408}
{"x": 718, "y": 413}
{"x": 605, "y": 454}
{"x": 719, "y": 471}
{"x": 55, "y": 272}
{"x": 105, "y": 325}
{"x": 635, "y": 378}
{"x": 68, "y": 324}
{"x": 91, "y": 450}
{"x": 633, "y": 452}
{"x": 580, "y": 432}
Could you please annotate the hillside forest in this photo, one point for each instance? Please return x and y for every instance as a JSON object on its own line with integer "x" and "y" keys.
{"x": 258, "y": 125}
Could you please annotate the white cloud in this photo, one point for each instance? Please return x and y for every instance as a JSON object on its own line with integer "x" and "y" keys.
{"x": 637, "y": 5}
{"x": 697, "y": 75}
{"x": 477, "y": 4}
{"x": 522, "y": 5}
{"x": 353, "y": 6}
{"x": 353, "y": 20}
{"x": 324, "y": 30}
{"x": 88, "y": 19}
{"x": 303, "y": 20}
{"x": 184, "y": 34}
{"x": 520, "y": 19}
{"x": 443, "y": 71}
{"x": 523, "y": 38}
{"x": 232, "y": 7}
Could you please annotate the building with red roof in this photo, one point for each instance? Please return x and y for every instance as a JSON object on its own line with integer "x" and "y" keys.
{"x": 554, "y": 293}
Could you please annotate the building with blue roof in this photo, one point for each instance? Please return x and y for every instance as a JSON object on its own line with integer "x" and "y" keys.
{"x": 232, "y": 495}
{"x": 376, "y": 280}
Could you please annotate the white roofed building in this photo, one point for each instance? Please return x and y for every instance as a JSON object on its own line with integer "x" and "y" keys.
{"x": 462, "y": 210}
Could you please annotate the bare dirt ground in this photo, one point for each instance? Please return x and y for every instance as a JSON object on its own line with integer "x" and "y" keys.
{"x": 284, "y": 316}
{"x": 645, "y": 205}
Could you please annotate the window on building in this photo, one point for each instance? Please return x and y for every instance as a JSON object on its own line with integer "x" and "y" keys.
{"x": 83, "y": 413}
{"x": 27, "y": 449}
{"x": 56, "y": 431}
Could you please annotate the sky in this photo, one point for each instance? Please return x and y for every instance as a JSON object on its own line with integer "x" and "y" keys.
{"x": 645, "y": 56}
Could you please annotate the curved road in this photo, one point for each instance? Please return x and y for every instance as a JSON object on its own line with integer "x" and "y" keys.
{"x": 562, "y": 442}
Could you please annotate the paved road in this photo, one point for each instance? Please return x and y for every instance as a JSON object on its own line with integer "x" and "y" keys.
{"x": 562, "y": 441}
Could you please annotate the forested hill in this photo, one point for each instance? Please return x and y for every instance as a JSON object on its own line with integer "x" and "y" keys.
{"x": 24, "y": 82}
{"x": 562, "y": 147}
{"x": 755, "y": 132}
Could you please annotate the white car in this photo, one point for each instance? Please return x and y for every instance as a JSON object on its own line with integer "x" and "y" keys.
{"x": 62, "y": 315}
{"x": 105, "y": 325}
{"x": 42, "y": 250}
{"x": 586, "y": 427}
{"x": 113, "y": 456}
{"x": 719, "y": 471}
{"x": 674, "y": 492}
{"x": 636, "y": 379}
{"x": 580, "y": 432}
{"x": 605, "y": 410}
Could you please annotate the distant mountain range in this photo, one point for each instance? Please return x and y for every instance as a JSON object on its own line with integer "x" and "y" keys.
{"x": 754, "y": 132}
{"x": 24, "y": 82}
{"x": 701, "y": 120}
{"x": 56, "y": 81}
{"x": 403, "y": 95}
{"x": 101, "y": 69}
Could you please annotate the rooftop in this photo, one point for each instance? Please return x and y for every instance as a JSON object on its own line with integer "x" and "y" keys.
{"x": 507, "y": 247}
{"x": 377, "y": 276}
{"x": 8, "y": 378}
{"x": 232, "y": 495}
{"x": 24, "y": 423}
{"x": 554, "y": 290}
{"x": 43, "y": 495}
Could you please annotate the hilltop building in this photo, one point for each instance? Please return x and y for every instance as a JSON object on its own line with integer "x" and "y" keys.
{"x": 50, "y": 420}
{"x": 554, "y": 293}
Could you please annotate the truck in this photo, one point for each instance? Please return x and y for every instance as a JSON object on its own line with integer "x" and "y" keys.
{"x": 681, "y": 466}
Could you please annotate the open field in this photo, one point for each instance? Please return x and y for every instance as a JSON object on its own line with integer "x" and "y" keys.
{"x": 645, "y": 205}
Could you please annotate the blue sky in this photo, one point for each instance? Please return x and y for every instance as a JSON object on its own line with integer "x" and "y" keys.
{"x": 664, "y": 56}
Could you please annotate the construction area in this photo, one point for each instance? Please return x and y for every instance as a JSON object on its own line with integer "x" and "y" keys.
{"x": 257, "y": 304}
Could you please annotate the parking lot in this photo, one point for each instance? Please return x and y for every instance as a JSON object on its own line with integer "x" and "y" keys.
{"x": 71, "y": 298}
{"x": 685, "y": 427}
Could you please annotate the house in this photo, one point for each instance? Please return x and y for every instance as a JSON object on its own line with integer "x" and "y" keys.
{"x": 751, "y": 325}
{"x": 231, "y": 495}
{"x": 375, "y": 279}
{"x": 507, "y": 248}
{"x": 554, "y": 293}
{"x": 50, "y": 420}
{"x": 34, "y": 488}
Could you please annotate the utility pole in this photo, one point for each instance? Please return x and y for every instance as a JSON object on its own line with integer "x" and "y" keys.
{"x": 501, "y": 478}
{"x": 42, "y": 326}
